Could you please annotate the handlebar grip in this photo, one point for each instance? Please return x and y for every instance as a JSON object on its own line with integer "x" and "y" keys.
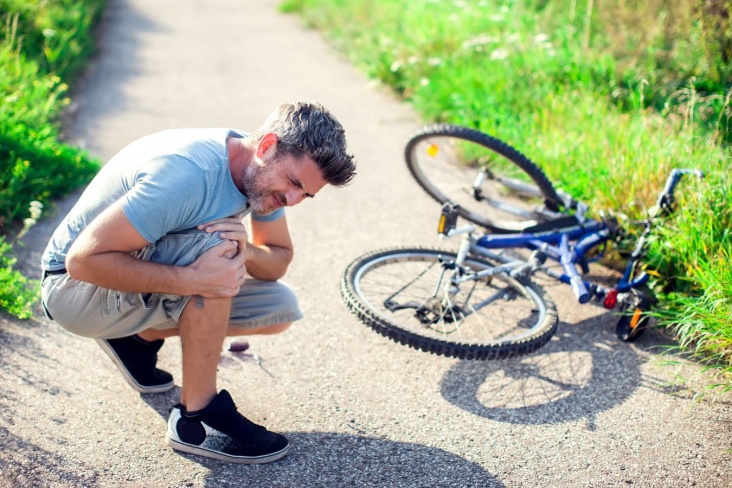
{"x": 579, "y": 289}
{"x": 571, "y": 274}
{"x": 578, "y": 284}
{"x": 666, "y": 198}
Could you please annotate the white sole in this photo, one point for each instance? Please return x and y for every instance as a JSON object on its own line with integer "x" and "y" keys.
{"x": 126, "y": 374}
{"x": 190, "y": 449}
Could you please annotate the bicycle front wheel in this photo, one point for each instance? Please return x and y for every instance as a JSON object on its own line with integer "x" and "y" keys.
{"x": 410, "y": 296}
{"x": 494, "y": 185}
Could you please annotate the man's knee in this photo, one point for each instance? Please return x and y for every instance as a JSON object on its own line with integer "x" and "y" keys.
{"x": 182, "y": 248}
{"x": 264, "y": 304}
{"x": 237, "y": 330}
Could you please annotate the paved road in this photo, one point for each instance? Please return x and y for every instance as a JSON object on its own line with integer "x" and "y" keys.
{"x": 586, "y": 410}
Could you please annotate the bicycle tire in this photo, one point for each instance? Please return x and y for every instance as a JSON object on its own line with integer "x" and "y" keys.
{"x": 528, "y": 319}
{"x": 443, "y": 159}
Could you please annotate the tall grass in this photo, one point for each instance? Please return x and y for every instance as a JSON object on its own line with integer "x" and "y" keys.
{"x": 43, "y": 45}
{"x": 607, "y": 97}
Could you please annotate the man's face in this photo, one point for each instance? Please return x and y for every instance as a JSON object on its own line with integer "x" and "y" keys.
{"x": 271, "y": 183}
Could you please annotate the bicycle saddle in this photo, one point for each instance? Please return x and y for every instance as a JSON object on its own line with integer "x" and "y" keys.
{"x": 561, "y": 224}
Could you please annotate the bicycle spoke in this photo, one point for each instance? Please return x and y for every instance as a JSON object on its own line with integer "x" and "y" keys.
{"x": 493, "y": 184}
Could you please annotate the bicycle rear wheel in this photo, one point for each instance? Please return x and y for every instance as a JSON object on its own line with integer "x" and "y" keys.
{"x": 494, "y": 185}
{"x": 406, "y": 294}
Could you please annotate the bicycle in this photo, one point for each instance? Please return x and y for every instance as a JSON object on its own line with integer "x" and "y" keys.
{"x": 480, "y": 302}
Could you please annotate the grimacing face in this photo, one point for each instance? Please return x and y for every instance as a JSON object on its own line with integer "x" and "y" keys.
{"x": 280, "y": 181}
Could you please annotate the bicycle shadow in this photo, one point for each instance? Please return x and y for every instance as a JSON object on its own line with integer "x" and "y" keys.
{"x": 584, "y": 370}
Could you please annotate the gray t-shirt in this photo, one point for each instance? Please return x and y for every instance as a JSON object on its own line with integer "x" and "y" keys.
{"x": 166, "y": 182}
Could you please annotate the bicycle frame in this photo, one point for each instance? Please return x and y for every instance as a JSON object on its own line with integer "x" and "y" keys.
{"x": 457, "y": 278}
{"x": 568, "y": 243}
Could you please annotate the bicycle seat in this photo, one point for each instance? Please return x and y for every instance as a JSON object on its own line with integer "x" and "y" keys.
{"x": 561, "y": 224}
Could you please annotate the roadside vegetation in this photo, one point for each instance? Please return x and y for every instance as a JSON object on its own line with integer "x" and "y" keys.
{"x": 607, "y": 97}
{"x": 43, "y": 46}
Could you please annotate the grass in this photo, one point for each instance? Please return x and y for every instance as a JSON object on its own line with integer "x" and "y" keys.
{"x": 43, "y": 46}
{"x": 607, "y": 97}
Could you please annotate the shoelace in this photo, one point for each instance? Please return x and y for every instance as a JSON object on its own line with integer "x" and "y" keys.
{"x": 239, "y": 419}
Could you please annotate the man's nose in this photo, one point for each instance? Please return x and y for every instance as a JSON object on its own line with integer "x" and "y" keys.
{"x": 294, "y": 197}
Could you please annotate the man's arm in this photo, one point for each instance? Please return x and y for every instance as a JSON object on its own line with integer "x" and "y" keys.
{"x": 102, "y": 255}
{"x": 270, "y": 251}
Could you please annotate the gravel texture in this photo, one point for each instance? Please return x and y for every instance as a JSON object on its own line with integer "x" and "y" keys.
{"x": 585, "y": 410}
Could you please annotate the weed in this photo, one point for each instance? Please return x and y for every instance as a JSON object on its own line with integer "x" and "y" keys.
{"x": 606, "y": 96}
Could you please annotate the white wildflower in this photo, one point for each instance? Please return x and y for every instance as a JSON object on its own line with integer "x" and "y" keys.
{"x": 36, "y": 209}
{"x": 499, "y": 54}
{"x": 479, "y": 41}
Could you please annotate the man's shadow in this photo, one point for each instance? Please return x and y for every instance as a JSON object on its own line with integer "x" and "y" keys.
{"x": 337, "y": 459}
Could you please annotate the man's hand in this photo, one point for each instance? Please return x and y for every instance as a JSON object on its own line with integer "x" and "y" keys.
{"x": 270, "y": 250}
{"x": 229, "y": 228}
{"x": 220, "y": 271}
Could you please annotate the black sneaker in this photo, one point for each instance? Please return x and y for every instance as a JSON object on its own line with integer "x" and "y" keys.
{"x": 136, "y": 359}
{"x": 221, "y": 432}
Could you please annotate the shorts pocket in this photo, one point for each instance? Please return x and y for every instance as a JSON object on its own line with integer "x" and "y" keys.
{"x": 116, "y": 303}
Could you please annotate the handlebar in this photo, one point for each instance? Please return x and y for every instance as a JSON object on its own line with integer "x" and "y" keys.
{"x": 575, "y": 280}
{"x": 666, "y": 198}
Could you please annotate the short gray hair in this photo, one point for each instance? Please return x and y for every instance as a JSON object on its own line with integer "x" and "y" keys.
{"x": 306, "y": 128}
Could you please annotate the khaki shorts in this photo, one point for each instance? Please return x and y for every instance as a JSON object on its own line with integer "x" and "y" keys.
{"x": 92, "y": 311}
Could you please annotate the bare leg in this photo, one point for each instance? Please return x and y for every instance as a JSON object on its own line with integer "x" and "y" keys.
{"x": 232, "y": 331}
{"x": 202, "y": 332}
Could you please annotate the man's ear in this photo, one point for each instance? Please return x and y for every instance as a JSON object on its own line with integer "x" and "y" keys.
{"x": 266, "y": 144}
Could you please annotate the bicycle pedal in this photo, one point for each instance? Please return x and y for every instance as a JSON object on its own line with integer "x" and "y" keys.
{"x": 448, "y": 219}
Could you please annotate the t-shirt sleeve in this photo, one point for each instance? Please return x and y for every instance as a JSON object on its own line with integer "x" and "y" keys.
{"x": 165, "y": 197}
{"x": 269, "y": 217}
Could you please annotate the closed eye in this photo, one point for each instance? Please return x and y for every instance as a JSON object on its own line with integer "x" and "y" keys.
{"x": 298, "y": 184}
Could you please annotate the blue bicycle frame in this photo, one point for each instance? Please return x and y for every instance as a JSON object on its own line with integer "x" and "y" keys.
{"x": 568, "y": 240}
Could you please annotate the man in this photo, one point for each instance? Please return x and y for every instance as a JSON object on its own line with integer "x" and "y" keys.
{"x": 156, "y": 247}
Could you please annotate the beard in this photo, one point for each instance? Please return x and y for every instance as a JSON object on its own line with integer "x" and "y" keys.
{"x": 254, "y": 184}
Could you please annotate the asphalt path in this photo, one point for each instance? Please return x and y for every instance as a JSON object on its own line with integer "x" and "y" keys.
{"x": 585, "y": 410}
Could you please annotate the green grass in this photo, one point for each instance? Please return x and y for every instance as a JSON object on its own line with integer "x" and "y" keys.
{"x": 607, "y": 97}
{"x": 43, "y": 46}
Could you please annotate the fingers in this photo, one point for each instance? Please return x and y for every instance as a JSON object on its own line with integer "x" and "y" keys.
{"x": 229, "y": 228}
{"x": 230, "y": 223}
{"x": 226, "y": 248}
{"x": 240, "y": 258}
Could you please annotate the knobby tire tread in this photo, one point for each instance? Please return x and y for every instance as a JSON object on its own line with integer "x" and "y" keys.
{"x": 436, "y": 346}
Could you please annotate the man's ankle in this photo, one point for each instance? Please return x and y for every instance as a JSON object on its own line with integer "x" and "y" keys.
{"x": 194, "y": 404}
